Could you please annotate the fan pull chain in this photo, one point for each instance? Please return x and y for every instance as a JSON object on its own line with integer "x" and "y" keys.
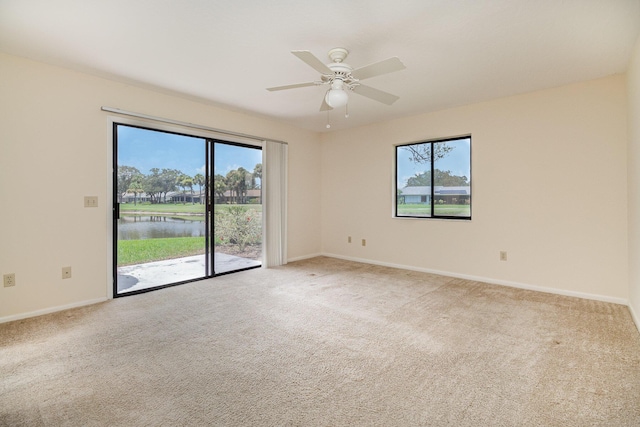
{"x": 328, "y": 124}
{"x": 346, "y": 111}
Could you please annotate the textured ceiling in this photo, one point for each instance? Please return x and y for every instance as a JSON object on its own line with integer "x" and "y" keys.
{"x": 228, "y": 51}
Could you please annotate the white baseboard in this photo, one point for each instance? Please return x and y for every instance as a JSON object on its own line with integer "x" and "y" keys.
{"x": 584, "y": 295}
{"x": 635, "y": 317}
{"x": 518, "y": 285}
{"x": 50, "y": 310}
{"x": 300, "y": 258}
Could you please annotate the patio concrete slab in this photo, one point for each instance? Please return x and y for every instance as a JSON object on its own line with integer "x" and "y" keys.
{"x": 148, "y": 275}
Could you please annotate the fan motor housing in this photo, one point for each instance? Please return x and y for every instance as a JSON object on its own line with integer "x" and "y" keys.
{"x": 340, "y": 68}
{"x": 342, "y": 72}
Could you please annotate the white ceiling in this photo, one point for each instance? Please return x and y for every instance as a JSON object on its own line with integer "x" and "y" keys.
{"x": 227, "y": 52}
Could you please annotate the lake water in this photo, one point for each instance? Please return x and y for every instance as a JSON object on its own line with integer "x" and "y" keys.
{"x": 138, "y": 227}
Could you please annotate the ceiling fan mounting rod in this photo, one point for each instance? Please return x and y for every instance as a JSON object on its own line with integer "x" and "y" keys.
{"x": 338, "y": 54}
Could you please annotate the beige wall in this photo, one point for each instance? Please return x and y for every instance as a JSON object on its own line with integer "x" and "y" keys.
{"x": 633, "y": 84}
{"x": 549, "y": 182}
{"x": 54, "y": 150}
{"x": 549, "y": 177}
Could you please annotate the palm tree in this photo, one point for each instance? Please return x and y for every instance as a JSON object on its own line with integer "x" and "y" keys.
{"x": 136, "y": 187}
{"x": 219, "y": 186}
{"x": 188, "y": 182}
{"x": 243, "y": 183}
{"x": 199, "y": 181}
{"x": 184, "y": 181}
{"x": 233, "y": 182}
{"x": 257, "y": 174}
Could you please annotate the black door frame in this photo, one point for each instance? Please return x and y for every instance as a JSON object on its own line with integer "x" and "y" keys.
{"x": 209, "y": 211}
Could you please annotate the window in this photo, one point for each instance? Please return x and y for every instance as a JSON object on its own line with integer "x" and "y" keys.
{"x": 433, "y": 179}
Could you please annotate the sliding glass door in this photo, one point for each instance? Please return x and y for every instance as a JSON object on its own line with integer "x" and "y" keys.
{"x": 185, "y": 208}
{"x": 237, "y": 211}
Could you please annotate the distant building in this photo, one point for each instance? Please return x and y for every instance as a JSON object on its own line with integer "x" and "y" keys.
{"x": 445, "y": 195}
{"x": 183, "y": 197}
{"x": 253, "y": 197}
{"x": 137, "y": 198}
{"x": 250, "y": 197}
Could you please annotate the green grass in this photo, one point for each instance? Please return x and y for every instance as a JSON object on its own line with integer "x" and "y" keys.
{"x": 453, "y": 210}
{"x": 425, "y": 210}
{"x": 149, "y": 250}
{"x": 187, "y": 208}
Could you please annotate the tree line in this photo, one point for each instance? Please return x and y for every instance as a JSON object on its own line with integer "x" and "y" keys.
{"x": 158, "y": 182}
{"x": 237, "y": 182}
{"x": 443, "y": 178}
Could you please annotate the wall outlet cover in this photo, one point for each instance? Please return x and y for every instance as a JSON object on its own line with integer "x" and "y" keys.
{"x": 9, "y": 280}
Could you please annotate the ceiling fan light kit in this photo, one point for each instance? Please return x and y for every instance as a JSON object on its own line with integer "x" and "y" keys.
{"x": 336, "y": 97}
{"x": 343, "y": 78}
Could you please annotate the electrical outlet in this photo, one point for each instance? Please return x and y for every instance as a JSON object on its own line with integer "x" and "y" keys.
{"x": 9, "y": 280}
{"x": 66, "y": 272}
{"x": 503, "y": 255}
{"x": 90, "y": 201}
{"x": 349, "y": 239}
{"x": 364, "y": 242}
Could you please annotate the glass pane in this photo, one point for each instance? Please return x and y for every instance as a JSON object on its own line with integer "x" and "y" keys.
{"x": 413, "y": 180}
{"x": 237, "y": 218}
{"x": 452, "y": 178}
{"x": 160, "y": 191}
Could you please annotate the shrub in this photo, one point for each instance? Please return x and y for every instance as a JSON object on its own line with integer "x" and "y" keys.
{"x": 237, "y": 225}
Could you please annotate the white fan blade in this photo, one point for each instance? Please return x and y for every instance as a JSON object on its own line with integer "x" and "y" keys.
{"x": 376, "y": 94}
{"x": 325, "y": 106}
{"x": 312, "y": 61}
{"x": 383, "y": 67}
{"x": 291, "y": 86}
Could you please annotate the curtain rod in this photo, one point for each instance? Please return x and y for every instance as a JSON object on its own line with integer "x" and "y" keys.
{"x": 189, "y": 125}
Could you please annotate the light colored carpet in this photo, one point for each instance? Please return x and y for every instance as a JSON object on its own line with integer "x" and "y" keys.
{"x": 325, "y": 342}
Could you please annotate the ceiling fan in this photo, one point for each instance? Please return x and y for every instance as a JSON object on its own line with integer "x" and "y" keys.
{"x": 343, "y": 78}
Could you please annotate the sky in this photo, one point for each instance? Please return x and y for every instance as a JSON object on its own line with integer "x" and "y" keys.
{"x": 146, "y": 149}
{"x": 457, "y": 161}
